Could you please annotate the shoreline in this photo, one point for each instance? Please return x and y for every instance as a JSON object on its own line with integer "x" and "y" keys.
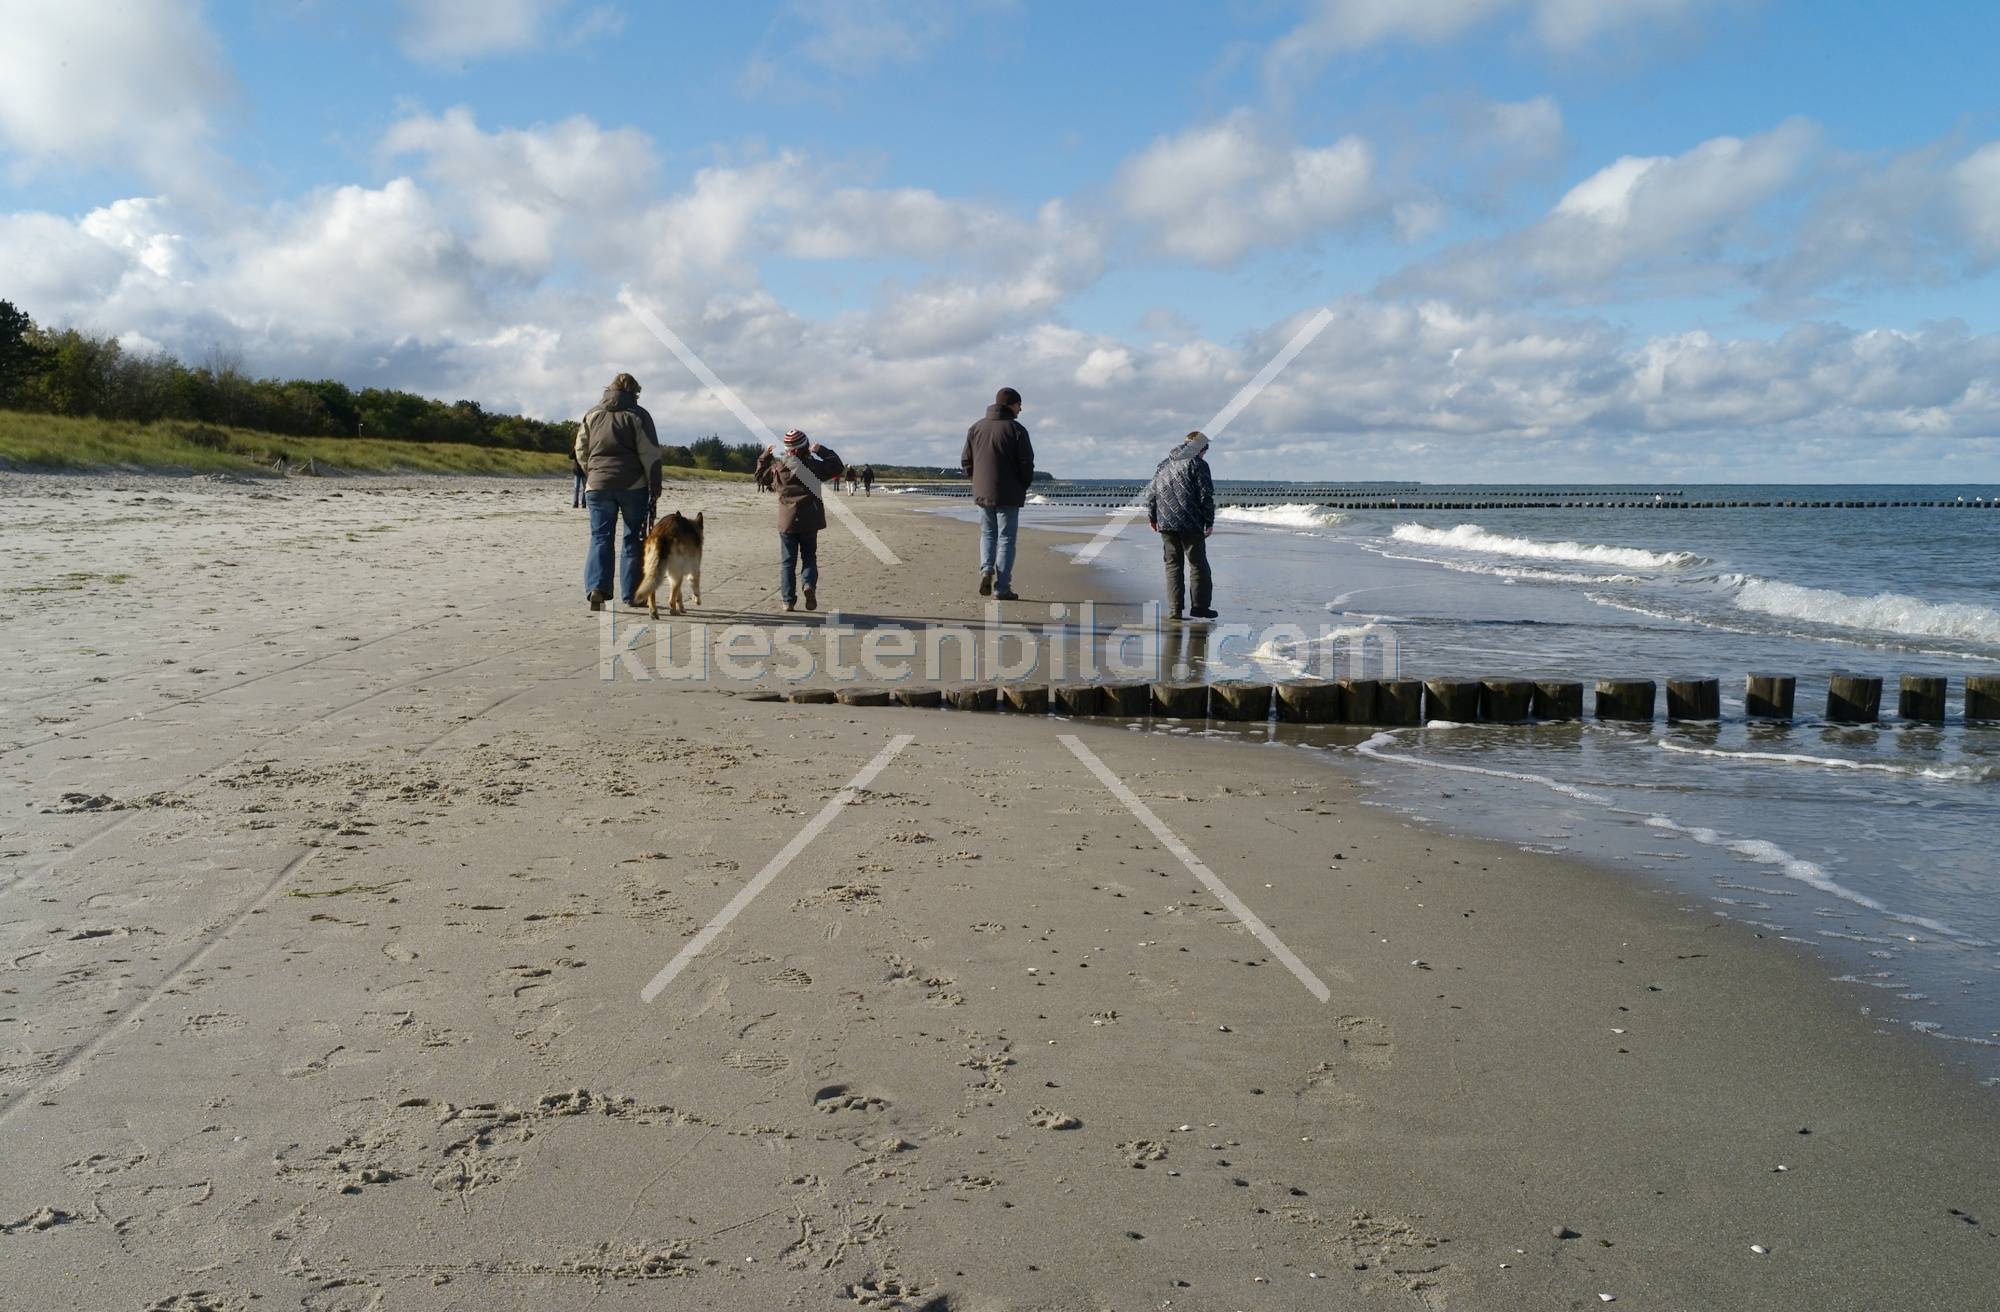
{"x": 415, "y": 1067}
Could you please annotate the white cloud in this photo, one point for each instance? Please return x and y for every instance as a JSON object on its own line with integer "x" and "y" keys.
{"x": 1673, "y": 222}
{"x": 1975, "y": 185}
{"x": 136, "y": 85}
{"x": 444, "y": 31}
{"x": 852, "y": 39}
{"x": 1530, "y": 130}
{"x": 1212, "y": 194}
{"x": 528, "y": 193}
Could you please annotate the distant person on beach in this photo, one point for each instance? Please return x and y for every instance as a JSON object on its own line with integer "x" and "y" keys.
{"x": 618, "y": 450}
{"x": 799, "y": 473}
{"x": 1180, "y": 507}
{"x": 868, "y": 480}
{"x": 1000, "y": 461}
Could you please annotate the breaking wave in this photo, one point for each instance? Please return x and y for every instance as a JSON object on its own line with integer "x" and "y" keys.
{"x": 1472, "y": 537}
{"x": 1291, "y": 515}
{"x": 1885, "y": 612}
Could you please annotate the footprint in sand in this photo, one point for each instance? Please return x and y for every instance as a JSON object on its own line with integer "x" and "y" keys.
{"x": 836, "y": 1098}
{"x": 880, "y": 1293}
{"x": 758, "y": 1063}
{"x": 791, "y": 977}
{"x": 1365, "y": 1041}
{"x": 1047, "y": 1118}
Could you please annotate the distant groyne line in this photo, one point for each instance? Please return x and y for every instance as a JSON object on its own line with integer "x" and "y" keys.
{"x": 1415, "y": 497}
{"x": 1114, "y": 496}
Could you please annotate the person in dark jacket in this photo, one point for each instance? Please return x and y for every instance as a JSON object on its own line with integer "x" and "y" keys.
{"x": 618, "y": 451}
{"x": 1180, "y": 507}
{"x": 800, "y": 474}
{"x": 1000, "y": 461}
{"x": 868, "y": 480}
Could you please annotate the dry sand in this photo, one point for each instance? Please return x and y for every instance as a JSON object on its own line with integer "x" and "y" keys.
{"x": 331, "y": 874}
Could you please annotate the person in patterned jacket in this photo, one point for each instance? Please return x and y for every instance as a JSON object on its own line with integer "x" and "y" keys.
{"x": 1180, "y": 507}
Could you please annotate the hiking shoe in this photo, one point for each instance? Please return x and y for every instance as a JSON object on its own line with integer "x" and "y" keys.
{"x": 812, "y": 599}
{"x": 791, "y": 606}
{"x": 596, "y": 600}
{"x": 1006, "y": 594}
{"x": 1202, "y": 613}
{"x": 630, "y": 603}
{"x": 985, "y": 585}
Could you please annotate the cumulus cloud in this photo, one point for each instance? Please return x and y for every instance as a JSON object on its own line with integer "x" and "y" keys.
{"x": 136, "y": 86}
{"x": 1672, "y": 221}
{"x": 527, "y": 193}
{"x": 1214, "y": 193}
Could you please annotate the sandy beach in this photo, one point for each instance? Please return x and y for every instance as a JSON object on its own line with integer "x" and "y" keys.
{"x": 331, "y": 875}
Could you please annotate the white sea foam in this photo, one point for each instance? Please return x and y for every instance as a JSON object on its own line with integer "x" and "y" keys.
{"x": 1037, "y": 499}
{"x": 1373, "y": 748}
{"x": 1885, "y": 612}
{"x": 1290, "y": 515}
{"x": 1955, "y": 772}
{"x": 1472, "y": 537}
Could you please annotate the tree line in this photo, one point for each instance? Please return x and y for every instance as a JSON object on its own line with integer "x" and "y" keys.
{"x": 68, "y": 372}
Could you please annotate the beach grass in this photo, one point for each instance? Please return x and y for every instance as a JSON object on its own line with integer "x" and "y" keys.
{"x": 58, "y": 443}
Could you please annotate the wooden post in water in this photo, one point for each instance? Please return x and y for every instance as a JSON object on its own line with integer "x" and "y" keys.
{"x": 1399, "y": 701}
{"x": 814, "y": 696}
{"x": 1130, "y": 700}
{"x": 1922, "y": 698}
{"x": 1456, "y": 700}
{"x": 919, "y": 696}
{"x": 864, "y": 696}
{"x": 1078, "y": 699}
{"x": 1359, "y": 701}
{"x": 1558, "y": 699}
{"x": 1769, "y": 696}
{"x": 1625, "y": 699}
{"x": 1853, "y": 698}
{"x": 973, "y": 697}
{"x": 1982, "y": 696}
{"x": 1025, "y": 698}
{"x": 1694, "y": 699}
{"x": 1309, "y": 703}
{"x": 1506, "y": 701}
{"x": 1181, "y": 701}
{"x": 1247, "y": 700}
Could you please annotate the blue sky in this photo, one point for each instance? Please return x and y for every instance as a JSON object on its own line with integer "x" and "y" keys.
{"x": 1625, "y": 240}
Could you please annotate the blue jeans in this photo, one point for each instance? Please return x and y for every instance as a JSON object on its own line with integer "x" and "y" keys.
{"x": 800, "y": 550}
{"x": 999, "y": 526}
{"x": 606, "y": 509}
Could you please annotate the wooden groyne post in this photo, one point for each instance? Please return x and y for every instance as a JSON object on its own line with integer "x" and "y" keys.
{"x": 1558, "y": 699}
{"x": 1625, "y": 699}
{"x": 1982, "y": 696}
{"x": 1853, "y": 698}
{"x": 1455, "y": 700}
{"x": 1769, "y": 696}
{"x": 1921, "y": 698}
{"x": 1694, "y": 699}
{"x": 1309, "y": 703}
{"x": 1506, "y": 701}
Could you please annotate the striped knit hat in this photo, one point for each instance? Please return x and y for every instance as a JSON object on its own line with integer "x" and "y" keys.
{"x": 795, "y": 441}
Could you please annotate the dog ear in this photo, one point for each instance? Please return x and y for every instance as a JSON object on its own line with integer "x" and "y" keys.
{"x": 697, "y": 518}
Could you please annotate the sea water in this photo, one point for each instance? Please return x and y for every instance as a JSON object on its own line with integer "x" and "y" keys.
{"x": 1878, "y": 846}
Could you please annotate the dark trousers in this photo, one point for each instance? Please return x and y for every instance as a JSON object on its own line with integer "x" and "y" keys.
{"x": 1193, "y": 548}
{"x": 800, "y": 552}
{"x": 607, "y": 507}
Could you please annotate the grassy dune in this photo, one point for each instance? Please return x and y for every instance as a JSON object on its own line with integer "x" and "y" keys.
{"x": 54, "y": 443}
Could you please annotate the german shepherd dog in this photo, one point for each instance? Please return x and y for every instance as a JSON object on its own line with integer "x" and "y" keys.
{"x": 673, "y": 551}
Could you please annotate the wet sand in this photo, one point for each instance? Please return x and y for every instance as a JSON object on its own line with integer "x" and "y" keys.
{"x": 331, "y": 875}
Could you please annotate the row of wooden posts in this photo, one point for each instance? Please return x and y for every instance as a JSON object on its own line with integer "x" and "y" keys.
{"x": 1850, "y": 699}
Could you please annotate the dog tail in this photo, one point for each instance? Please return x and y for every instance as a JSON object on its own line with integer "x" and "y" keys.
{"x": 652, "y": 569}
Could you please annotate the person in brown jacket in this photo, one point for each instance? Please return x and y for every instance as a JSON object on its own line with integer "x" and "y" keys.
{"x": 1000, "y": 461}
{"x": 800, "y": 475}
{"x": 617, "y": 450}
